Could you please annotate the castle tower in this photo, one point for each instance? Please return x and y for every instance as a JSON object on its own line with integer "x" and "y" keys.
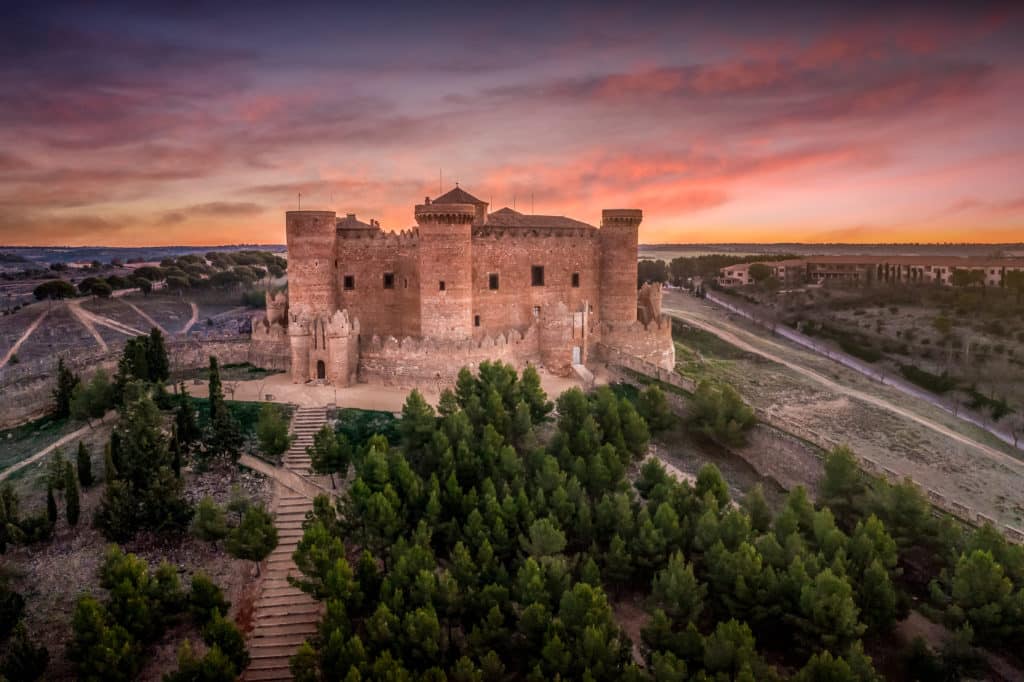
{"x": 618, "y": 238}
{"x": 446, "y": 269}
{"x": 311, "y": 258}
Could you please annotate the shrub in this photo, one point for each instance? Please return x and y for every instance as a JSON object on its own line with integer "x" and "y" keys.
{"x": 720, "y": 414}
{"x": 936, "y": 383}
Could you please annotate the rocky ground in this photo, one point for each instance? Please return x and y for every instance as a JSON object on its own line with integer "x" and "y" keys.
{"x": 53, "y": 574}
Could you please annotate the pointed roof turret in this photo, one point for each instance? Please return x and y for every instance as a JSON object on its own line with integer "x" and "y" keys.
{"x": 458, "y": 196}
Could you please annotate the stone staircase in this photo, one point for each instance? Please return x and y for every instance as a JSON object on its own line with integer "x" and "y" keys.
{"x": 305, "y": 423}
{"x": 284, "y": 615}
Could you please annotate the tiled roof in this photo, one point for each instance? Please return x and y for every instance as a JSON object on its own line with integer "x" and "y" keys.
{"x": 506, "y": 217}
{"x": 458, "y": 196}
{"x": 350, "y": 222}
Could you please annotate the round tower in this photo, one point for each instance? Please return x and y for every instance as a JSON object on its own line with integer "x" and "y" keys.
{"x": 618, "y": 237}
{"x": 446, "y": 269}
{"x": 311, "y": 259}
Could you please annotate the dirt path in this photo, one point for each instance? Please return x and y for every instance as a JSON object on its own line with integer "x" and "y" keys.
{"x": 108, "y": 322}
{"x": 144, "y": 315}
{"x": 76, "y": 310}
{"x": 63, "y": 440}
{"x": 757, "y": 345}
{"x": 28, "y": 333}
{"x": 192, "y": 320}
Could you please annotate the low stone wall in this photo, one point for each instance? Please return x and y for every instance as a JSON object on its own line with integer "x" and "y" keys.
{"x": 651, "y": 343}
{"x": 30, "y": 396}
{"x": 418, "y": 362}
{"x": 270, "y": 354}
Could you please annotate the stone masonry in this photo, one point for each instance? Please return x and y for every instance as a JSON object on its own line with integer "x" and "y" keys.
{"x": 284, "y": 615}
{"x": 461, "y": 286}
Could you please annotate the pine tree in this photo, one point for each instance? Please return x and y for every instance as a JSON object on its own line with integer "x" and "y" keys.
{"x": 175, "y": 452}
{"x": 84, "y": 465}
{"x": 254, "y": 538}
{"x": 210, "y": 522}
{"x": 676, "y": 590}
{"x": 23, "y": 660}
{"x": 272, "y": 431}
{"x": 71, "y": 497}
{"x": 330, "y": 453}
{"x": 51, "y": 505}
{"x": 62, "y": 394}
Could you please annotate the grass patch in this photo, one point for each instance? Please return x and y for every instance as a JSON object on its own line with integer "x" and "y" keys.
{"x": 246, "y": 412}
{"x": 25, "y": 439}
{"x": 359, "y": 425}
{"x": 705, "y": 343}
{"x": 936, "y": 383}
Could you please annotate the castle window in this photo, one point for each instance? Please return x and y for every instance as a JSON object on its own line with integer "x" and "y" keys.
{"x": 440, "y": 285}
{"x": 536, "y": 311}
{"x": 492, "y": 281}
{"x": 476, "y": 320}
{"x": 575, "y": 280}
{"x": 389, "y": 280}
{"x": 349, "y": 282}
{"x": 537, "y": 275}
{"x": 405, "y": 282}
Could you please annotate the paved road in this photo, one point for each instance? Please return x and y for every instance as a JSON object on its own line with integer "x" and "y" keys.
{"x": 758, "y": 345}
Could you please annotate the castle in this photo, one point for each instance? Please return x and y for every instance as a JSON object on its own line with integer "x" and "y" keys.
{"x": 461, "y": 287}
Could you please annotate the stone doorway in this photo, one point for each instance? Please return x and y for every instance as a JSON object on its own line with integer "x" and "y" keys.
{"x": 321, "y": 370}
{"x": 577, "y": 355}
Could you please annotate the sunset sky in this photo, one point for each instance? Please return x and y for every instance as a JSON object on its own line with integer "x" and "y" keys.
{"x": 177, "y": 123}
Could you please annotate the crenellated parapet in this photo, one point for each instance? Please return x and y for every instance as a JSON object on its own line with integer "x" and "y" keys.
{"x": 340, "y": 325}
{"x": 408, "y": 237}
{"x": 651, "y": 342}
{"x": 277, "y": 307}
{"x": 447, "y": 214}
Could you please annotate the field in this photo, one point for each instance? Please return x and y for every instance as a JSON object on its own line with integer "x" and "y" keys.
{"x": 817, "y": 396}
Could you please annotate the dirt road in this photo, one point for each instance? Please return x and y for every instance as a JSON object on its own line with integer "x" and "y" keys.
{"x": 22, "y": 339}
{"x": 768, "y": 349}
{"x": 64, "y": 440}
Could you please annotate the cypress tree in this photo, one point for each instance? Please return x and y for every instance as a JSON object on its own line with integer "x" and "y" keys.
{"x": 109, "y": 470}
{"x": 216, "y": 391}
{"x": 84, "y": 465}
{"x": 185, "y": 418}
{"x": 175, "y": 452}
{"x": 115, "y": 452}
{"x": 51, "y": 505}
{"x": 157, "y": 364}
{"x": 66, "y": 382}
{"x": 71, "y": 497}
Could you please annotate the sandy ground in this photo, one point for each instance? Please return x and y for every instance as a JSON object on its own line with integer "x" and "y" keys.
{"x": 913, "y": 438}
{"x": 362, "y": 396}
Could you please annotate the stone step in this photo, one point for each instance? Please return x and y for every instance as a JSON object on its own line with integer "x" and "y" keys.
{"x": 292, "y": 639}
{"x": 300, "y": 629}
{"x": 276, "y": 672}
{"x": 284, "y": 651}
{"x": 286, "y": 600}
{"x": 297, "y": 620}
{"x": 311, "y": 610}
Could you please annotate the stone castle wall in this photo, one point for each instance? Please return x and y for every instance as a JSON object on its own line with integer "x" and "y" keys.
{"x": 511, "y": 254}
{"x": 650, "y": 343}
{"x": 366, "y": 256}
{"x": 424, "y": 362}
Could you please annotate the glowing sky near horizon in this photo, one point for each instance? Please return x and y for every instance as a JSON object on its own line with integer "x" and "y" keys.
{"x": 178, "y": 123}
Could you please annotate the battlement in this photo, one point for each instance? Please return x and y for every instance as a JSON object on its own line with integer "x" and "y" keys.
{"x": 445, "y": 213}
{"x": 442, "y": 347}
{"x": 621, "y": 217}
{"x": 552, "y": 233}
{"x": 390, "y": 238}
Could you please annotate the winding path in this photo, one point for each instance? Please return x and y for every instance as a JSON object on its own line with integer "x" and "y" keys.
{"x": 76, "y": 310}
{"x": 63, "y": 440}
{"x": 734, "y": 335}
{"x": 28, "y": 333}
{"x": 144, "y": 315}
{"x": 192, "y": 320}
